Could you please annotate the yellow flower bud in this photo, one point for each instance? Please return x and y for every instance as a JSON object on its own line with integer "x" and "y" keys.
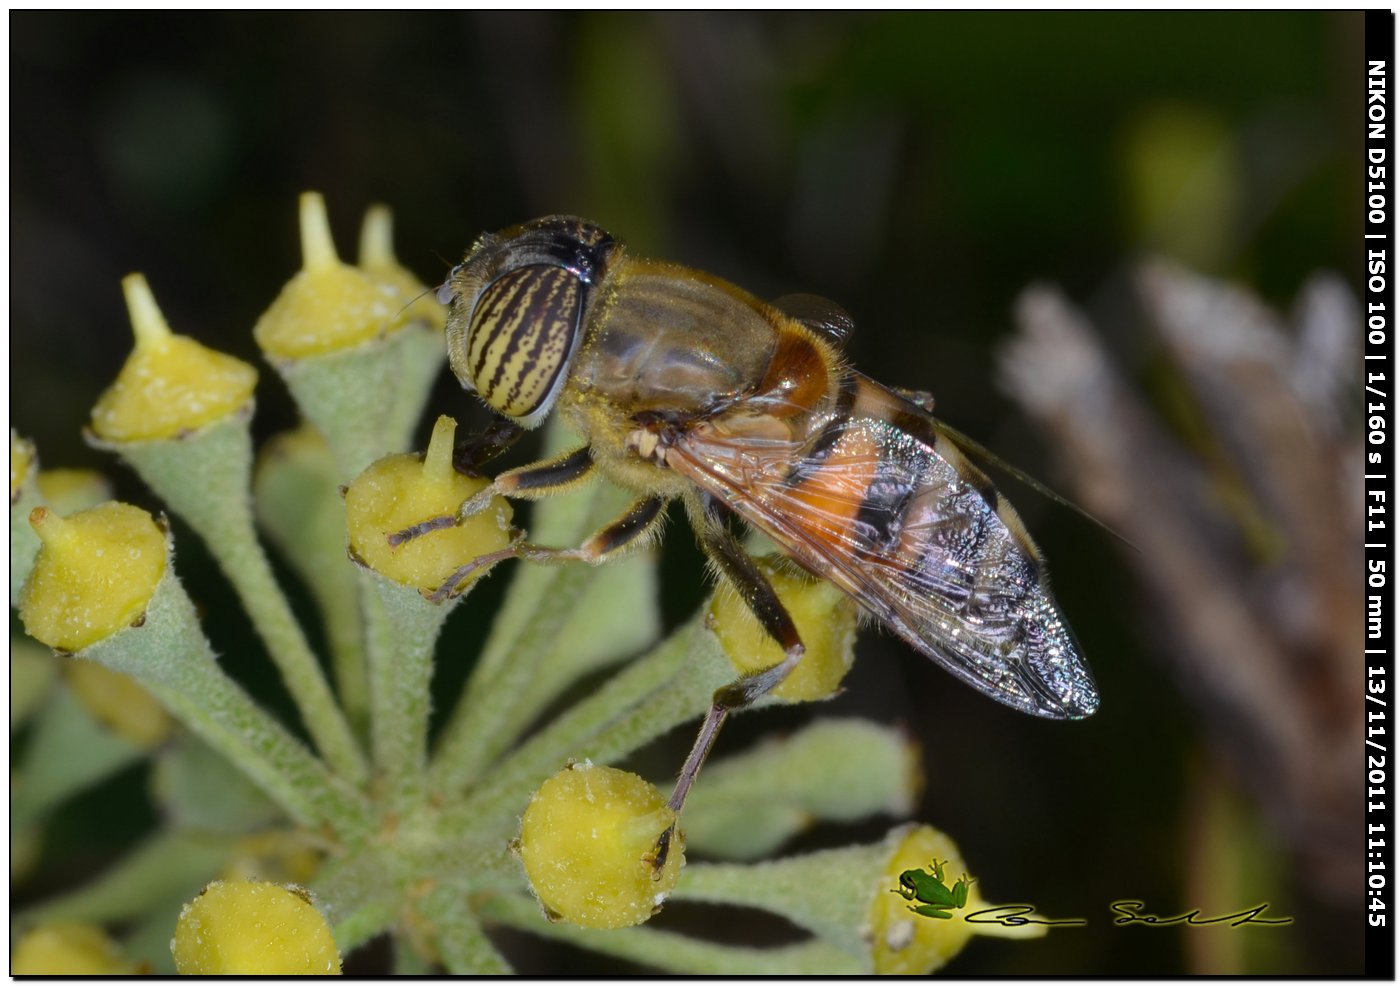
{"x": 588, "y": 841}
{"x": 825, "y": 618}
{"x": 119, "y": 703}
{"x": 378, "y": 261}
{"x": 400, "y": 491}
{"x": 21, "y": 462}
{"x": 909, "y": 944}
{"x": 328, "y": 306}
{"x": 245, "y": 928}
{"x": 69, "y": 949}
{"x": 170, "y": 384}
{"x": 95, "y": 574}
{"x": 69, "y": 490}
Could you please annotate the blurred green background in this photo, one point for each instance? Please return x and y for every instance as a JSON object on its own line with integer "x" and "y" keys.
{"x": 921, "y": 169}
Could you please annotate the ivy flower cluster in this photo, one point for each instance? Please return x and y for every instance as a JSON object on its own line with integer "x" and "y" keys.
{"x": 282, "y": 849}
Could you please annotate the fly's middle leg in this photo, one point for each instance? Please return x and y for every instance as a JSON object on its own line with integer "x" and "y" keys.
{"x": 636, "y": 526}
{"x": 529, "y": 482}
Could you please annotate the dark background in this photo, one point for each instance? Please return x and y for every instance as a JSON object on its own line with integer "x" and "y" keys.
{"x": 920, "y": 169}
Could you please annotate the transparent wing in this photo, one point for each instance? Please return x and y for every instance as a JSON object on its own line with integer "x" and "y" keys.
{"x": 821, "y": 315}
{"x": 873, "y": 500}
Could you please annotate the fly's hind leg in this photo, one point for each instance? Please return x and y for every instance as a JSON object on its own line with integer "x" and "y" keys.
{"x": 632, "y": 529}
{"x": 529, "y": 482}
{"x": 728, "y": 554}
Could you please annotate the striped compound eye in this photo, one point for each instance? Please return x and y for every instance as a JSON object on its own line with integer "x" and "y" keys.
{"x": 522, "y": 332}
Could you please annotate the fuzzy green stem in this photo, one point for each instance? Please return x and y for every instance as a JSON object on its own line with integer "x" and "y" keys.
{"x": 362, "y": 924}
{"x": 169, "y": 655}
{"x": 422, "y": 352}
{"x": 169, "y": 866}
{"x": 242, "y": 558}
{"x": 834, "y": 769}
{"x": 830, "y": 893}
{"x": 507, "y": 685}
{"x": 423, "y": 349}
{"x": 196, "y": 788}
{"x": 205, "y": 479}
{"x": 335, "y": 391}
{"x": 24, "y": 543}
{"x": 482, "y": 862}
{"x": 353, "y": 891}
{"x": 408, "y": 961}
{"x": 33, "y": 671}
{"x": 485, "y": 723}
{"x": 68, "y": 752}
{"x": 461, "y": 944}
{"x": 527, "y": 631}
{"x": 669, "y": 686}
{"x": 402, "y": 630}
{"x": 616, "y": 617}
{"x": 337, "y": 598}
{"x": 677, "y": 953}
{"x": 300, "y": 509}
{"x": 148, "y": 941}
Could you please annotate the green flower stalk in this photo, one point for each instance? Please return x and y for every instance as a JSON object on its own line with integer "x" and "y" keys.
{"x": 32, "y": 675}
{"x": 68, "y": 752}
{"x": 102, "y": 589}
{"x": 403, "y": 617}
{"x": 279, "y": 856}
{"x": 300, "y": 509}
{"x": 422, "y": 350}
{"x": 179, "y": 415}
{"x": 118, "y": 703}
{"x": 836, "y": 770}
{"x": 334, "y": 336}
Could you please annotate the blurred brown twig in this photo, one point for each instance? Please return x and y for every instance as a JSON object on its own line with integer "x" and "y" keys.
{"x": 1247, "y": 517}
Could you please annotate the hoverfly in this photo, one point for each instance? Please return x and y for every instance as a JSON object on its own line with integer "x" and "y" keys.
{"x": 688, "y": 388}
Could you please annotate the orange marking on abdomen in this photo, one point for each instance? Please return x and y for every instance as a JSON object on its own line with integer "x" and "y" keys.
{"x": 834, "y": 491}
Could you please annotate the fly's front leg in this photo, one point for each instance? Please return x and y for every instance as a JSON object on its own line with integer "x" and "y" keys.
{"x": 538, "y": 479}
{"x": 758, "y": 594}
{"x": 634, "y": 528}
{"x": 472, "y": 453}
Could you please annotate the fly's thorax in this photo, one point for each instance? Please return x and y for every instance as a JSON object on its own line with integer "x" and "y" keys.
{"x": 668, "y": 338}
{"x": 519, "y": 307}
{"x": 611, "y": 431}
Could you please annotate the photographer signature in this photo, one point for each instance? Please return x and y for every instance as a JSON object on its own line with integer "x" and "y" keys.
{"x": 1129, "y": 912}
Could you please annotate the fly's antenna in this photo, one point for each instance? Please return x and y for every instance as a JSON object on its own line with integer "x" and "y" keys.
{"x": 412, "y": 301}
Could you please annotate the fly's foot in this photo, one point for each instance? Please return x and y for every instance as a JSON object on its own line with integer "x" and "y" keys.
{"x": 425, "y": 527}
{"x": 662, "y": 851}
